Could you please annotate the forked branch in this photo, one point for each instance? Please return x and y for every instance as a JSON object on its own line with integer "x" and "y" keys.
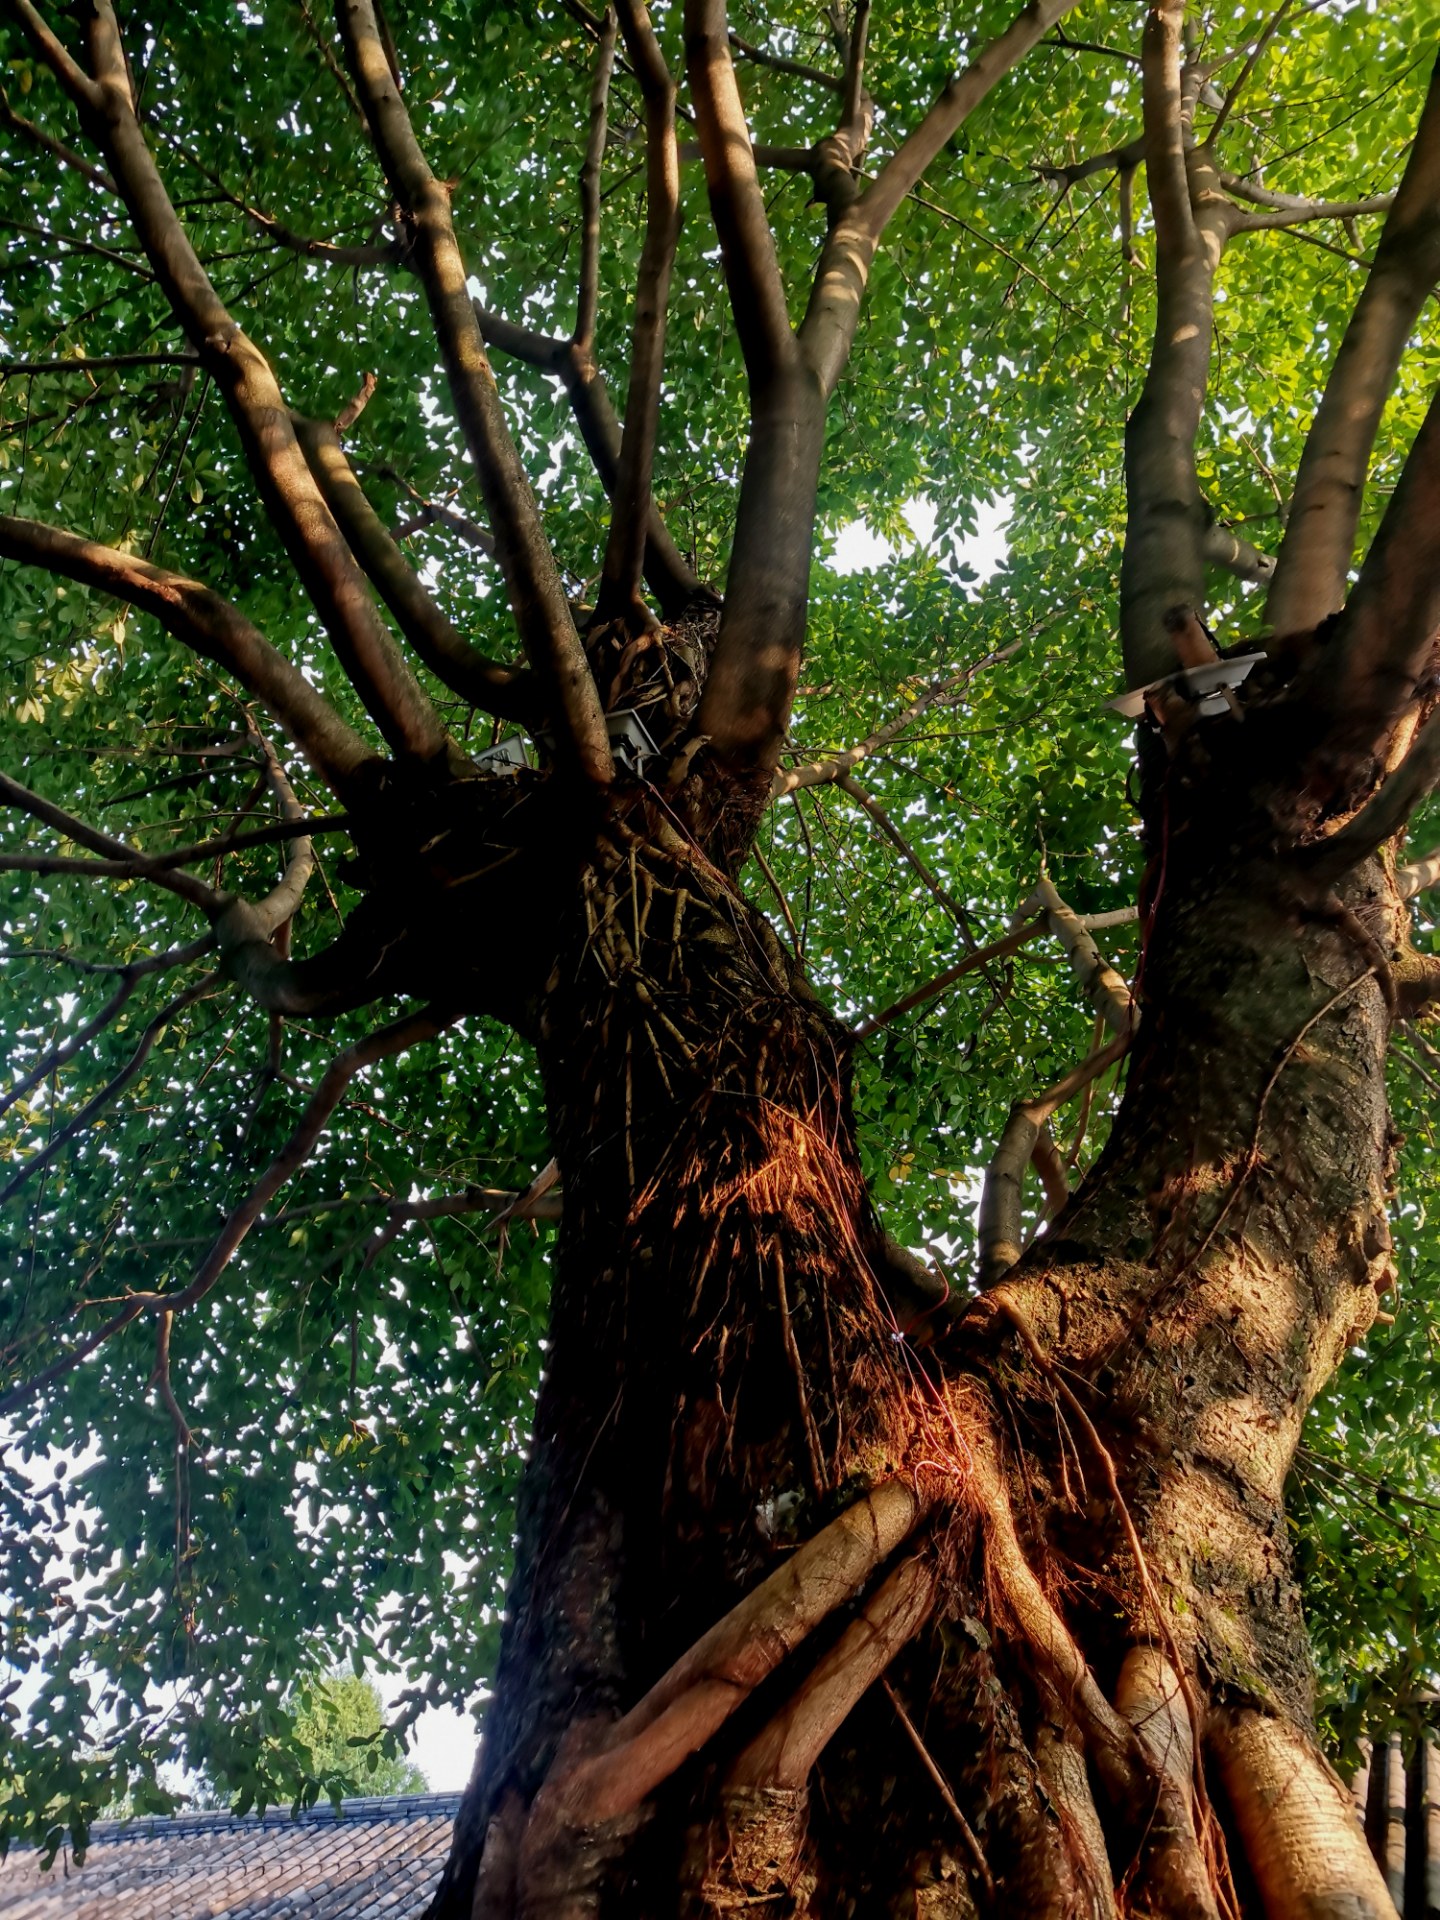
{"x": 209, "y": 626}
{"x": 1313, "y": 563}
{"x": 537, "y": 595}
{"x": 383, "y": 1044}
{"x": 239, "y": 369}
{"x": 631, "y": 501}
{"x": 444, "y": 649}
{"x": 833, "y": 313}
{"x": 1163, "y": 564}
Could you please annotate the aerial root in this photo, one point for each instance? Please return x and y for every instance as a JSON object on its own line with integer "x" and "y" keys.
{"x": 1155, "y": 1816}
{"x": 1302, "y": 1840}
{"x": 604, "y": 1773}
{"x": 787, "y": 1747}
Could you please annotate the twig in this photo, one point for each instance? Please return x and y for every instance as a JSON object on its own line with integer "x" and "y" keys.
{"x": 998, "y": 950}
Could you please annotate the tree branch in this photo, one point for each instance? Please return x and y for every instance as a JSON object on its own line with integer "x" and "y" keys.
{"x": 943, "y": 692}
{"x": 674, "y": 583}
{"x": 1296, "y": 215}
{"x": 46, "y": 1155}
{"x": 833, "y": 312}
{"x": 100, "y": 363}
{"x": 243, "y": 376}
{"x": 209, "y": 626}
{"x": 998, "y": 950}
{"x": 67, "y": 156}
{"x": 1102, "y": 986}
{"x": 1252, "y": 60}
{"x": 443, "y": 648}
{"x": 587, "y": 305}
{"x": 1000, "y": 1201}
{"x": 1418, "y": 876}
{"x": 1223, "y": 547}
{"x": 1313, "y": 563}
{"x": 737, "y": 206}
{"x": 537, "y": 596}
{"x": 1383, "y": 644}
{"x": 1385, "y": 813}
{"x": 282, "y": 902}
{"x": 121, "y": 860}
{"x": 941, "y": 895}
{"x": 380, "y": 1045}
{"x": 781, "y": 63}
{"x": 631, "y": 502}
{"x": 1163, "y": 565}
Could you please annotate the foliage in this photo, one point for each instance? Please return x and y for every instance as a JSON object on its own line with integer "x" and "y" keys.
{"x": 341, "y": 1725}
{"x": 360, "y": 1418}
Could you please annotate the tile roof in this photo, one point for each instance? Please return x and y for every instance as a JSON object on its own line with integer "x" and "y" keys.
{"x": 373, "y": 1857}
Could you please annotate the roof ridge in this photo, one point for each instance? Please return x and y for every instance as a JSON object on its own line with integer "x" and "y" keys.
{"x": 372, "y": 1809}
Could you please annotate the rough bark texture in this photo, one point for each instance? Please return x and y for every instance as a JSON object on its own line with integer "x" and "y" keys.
{"x": 728, "y": 1372}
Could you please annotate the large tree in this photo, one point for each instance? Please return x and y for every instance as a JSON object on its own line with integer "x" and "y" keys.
{"x": 866, "y": 1561}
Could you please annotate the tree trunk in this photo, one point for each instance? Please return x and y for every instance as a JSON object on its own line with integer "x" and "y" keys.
{"x": 1078, "y": 1663}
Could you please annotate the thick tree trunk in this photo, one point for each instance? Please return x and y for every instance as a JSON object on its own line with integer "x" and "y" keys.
{"x": 1079, "y": 1662}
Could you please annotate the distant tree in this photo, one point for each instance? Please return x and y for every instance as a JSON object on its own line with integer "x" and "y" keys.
{"x": 341, "y": 1724}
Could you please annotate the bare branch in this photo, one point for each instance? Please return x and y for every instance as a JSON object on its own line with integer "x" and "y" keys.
{"x": 631, "y": 511}
{"x": 122, "y": 861}
{"x": 67, "y": 156}
{"x": 834, "y": 767}
{"x": 76, "y": 82}
{"x": 588, "y": 303}
{"x": 1121, "y": 160}
{"x": 998, "y": 950}
{"x": 942, "y": 895}
{"x": 327, "y": 54}
{"x": 1000, "y": 1202}
{"x": 1065, "y": 44}
{"x": 162, "y": 962}
{"x": 1383, "y": 645}
{"x": 1313, "y": 563}
{"x": 1418, "y": 876}
{"x": 1301, "y": 211}
{"x": 1102, "y": 986}
{"x": 781, "y": 63}
{"x": 59, "y": 1056}
{"x": 1383, "y": 816}
{"x": 538, "y": 1201}
{"x": 282, "y": 902}
{"x": 210, "y": 627}
{"x": 1252, "y": 60}
{"x": 102, "y": 363}
{"x": 674, "y": 583}
{"x": 537, "y": 596}
{"x": 443, "y": 648}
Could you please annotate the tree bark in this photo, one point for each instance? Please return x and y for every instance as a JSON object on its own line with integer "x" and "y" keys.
{"x": 1091, "y": 1610}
